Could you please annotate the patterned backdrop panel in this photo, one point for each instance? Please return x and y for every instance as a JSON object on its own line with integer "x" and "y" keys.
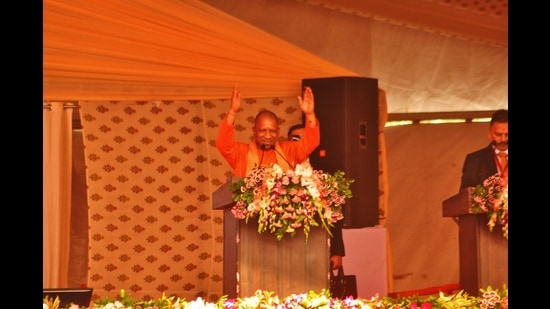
{"x": 151, "y": 168}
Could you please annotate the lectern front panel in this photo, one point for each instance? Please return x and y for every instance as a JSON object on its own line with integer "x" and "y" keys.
{"x": 289, "y": 266}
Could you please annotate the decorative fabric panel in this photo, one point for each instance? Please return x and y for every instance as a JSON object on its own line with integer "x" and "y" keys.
{"x": 151, "y": 170}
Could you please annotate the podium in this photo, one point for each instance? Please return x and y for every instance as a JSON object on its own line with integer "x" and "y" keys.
{"x": 483, "y": 255}
{"x": 254, "y": 261}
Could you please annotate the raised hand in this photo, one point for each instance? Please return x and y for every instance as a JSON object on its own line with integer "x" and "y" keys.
{"x": 235, "y": 101}
{"x": 307, "y": 103}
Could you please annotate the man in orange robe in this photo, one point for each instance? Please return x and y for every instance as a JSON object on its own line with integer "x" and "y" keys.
{"x": 266, "y": 148}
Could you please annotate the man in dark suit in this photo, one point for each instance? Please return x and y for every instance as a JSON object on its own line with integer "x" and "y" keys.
{"x": 486, "y": 162}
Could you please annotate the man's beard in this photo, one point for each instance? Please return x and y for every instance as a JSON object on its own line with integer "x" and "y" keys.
{"x": 501, "y": 145}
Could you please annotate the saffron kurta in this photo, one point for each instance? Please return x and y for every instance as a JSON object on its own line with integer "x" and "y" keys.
{"x": 243, "y": 157}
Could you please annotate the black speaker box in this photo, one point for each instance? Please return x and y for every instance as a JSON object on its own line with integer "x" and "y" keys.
{"x": 347, "y": 109}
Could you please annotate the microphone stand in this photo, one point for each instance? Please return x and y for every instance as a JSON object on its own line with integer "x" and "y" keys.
{"x": 262, "y": 158}
{"x": 289, "y": 164}
{"x": 267, "y": 147}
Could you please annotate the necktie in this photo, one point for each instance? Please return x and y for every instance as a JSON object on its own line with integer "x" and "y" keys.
{"x": 503, "y": 163}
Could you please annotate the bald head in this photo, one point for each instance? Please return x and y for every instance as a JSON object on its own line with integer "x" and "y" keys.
{"x": 266, "y": 129}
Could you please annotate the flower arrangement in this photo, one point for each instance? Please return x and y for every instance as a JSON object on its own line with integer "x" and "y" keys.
{"x": 491, "y": 197}
{"x": 490, "y": 298}
{"x": 285, "y": 201}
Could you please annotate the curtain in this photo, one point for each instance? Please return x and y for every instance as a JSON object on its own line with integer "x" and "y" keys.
{"x": 151, "y": 167}
{"x": 56, "y": 208}
{"x": 383, "y": 182}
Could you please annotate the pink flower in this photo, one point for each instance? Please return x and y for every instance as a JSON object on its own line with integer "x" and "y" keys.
{"x": 426, "y": 305}
{"x": 492, "y": 198}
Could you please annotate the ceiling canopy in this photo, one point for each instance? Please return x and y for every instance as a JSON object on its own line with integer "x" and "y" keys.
{"x": 484, "y": 20}
{"x": 428, "y": 55}
{"x": 166, "y": 50}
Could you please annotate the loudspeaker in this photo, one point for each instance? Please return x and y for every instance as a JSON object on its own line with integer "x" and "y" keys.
{"x": 347, "y": 109}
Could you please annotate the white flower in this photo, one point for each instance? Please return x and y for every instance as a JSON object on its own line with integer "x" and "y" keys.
{"x": 304, "y": 170}
{"x": 277, "y": 170}
{"x": 270, "y": 183}
{"x": 251, "y": 302}
{"x": 311, "y": 187}
{"x": 199, "y": 303}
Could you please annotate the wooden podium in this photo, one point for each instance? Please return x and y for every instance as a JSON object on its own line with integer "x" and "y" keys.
{"x": 255, "y": 261}
{"x": 483, "y": 254}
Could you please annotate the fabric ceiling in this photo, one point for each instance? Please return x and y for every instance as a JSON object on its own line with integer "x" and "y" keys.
{"x": 166, "y": 49}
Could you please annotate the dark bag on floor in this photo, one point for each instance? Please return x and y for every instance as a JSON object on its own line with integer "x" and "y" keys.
{"x": 341, "y": 285}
